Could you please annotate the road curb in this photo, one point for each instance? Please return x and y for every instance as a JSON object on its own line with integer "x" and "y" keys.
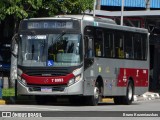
{"x": 2, "y": 102}
{"x": 135, "y": 98}
{"x": 107, "y": 100}
{"x": 148, "y": 96}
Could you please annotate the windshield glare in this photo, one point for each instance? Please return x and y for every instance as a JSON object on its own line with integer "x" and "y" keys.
{"x": 50, "y": 50}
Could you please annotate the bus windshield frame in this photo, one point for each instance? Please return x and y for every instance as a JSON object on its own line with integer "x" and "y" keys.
{"x": 50, "y": 50}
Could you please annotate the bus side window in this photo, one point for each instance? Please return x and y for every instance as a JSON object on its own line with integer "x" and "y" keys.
{"x": 108, "y": 44}
{"x": 128, "y": 45}
{"x": 144, "y": 47}
{"x": 138, "y": 47}
{"x": 99, "y": 42}
{"x": 119, "y": 45}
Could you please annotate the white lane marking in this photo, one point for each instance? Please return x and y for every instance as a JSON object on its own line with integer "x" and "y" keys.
{"x": 25, "y": 107}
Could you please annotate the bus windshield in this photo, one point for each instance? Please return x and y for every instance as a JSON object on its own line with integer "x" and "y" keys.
{"x": 51, "y": 50}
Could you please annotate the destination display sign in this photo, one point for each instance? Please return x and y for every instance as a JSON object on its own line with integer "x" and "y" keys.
{"x": 50, "y": 25}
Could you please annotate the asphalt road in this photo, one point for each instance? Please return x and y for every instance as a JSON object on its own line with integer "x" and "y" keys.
{"x": 148, "y": 105}
{"x": 70, "y": 112}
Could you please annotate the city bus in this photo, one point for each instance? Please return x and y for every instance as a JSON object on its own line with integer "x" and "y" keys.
{"x": 80, "y": 56}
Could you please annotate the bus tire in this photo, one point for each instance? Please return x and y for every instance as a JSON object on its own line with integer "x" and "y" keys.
{"x": 130, "y": 93}
{"x": 76, "y": 100}
{"x": 40, "y": 100}
{"x": 15, "y": 90}
{"x": 118, "y": 100}
{"x": 94, "y": 99}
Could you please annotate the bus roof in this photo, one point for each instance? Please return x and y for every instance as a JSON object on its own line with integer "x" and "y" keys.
{"x": 107, "y": 21}
{"x": 88, "y": 18}
{"x": 79, "y": 17}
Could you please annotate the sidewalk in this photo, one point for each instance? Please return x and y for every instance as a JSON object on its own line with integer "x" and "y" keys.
{"x": 147, "y": 96}
{"x": 2, "y": 102}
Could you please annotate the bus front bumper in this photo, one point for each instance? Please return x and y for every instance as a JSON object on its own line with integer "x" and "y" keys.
{"x": 75, "y": 89}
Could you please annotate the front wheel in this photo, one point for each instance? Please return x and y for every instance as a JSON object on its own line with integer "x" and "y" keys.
{"x": 93, "y": 100}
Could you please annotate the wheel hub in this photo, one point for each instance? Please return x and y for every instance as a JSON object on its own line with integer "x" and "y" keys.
{"x": 96, "y": 92}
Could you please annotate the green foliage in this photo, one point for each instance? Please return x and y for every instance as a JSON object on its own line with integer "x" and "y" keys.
{"x": 8, "y": 92}
{"x": 2, "y": 10}
{"x": 32, "y": 8}
{"x": 20, "y": 9}
{"x": 52, "y": 7}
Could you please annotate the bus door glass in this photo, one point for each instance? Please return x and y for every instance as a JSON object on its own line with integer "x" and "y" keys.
{"x": 89, "y": 40}
{"x": 89, "y": 46}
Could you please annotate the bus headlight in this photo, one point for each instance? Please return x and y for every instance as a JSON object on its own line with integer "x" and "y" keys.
{"x": 23, "y": 81}
{"x": 71, "y": 81}
{"x": 77, "y": 78}
{"x": 74, "y": 80}
{"x": 19, "y": 77}
{"x": 19, "y": 72}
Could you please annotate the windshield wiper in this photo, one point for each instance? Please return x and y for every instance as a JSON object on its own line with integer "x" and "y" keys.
{"x": 60, "y": 35}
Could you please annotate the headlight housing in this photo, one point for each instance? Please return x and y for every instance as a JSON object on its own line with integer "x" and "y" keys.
{"x": 74, "y": 80}
{"x": 23, "y": 81}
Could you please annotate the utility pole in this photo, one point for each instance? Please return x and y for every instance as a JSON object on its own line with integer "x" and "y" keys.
{"x": 96, "y": 6}
{"x": 147, "y": 4}
{"x": 122, "y": 9}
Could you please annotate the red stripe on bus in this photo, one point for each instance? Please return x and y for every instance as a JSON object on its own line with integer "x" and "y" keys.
{"x": 47, "y": 80}
{"x": 139, "y": 76}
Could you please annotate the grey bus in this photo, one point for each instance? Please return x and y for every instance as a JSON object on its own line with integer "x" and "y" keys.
{"x": 80, "y": 56}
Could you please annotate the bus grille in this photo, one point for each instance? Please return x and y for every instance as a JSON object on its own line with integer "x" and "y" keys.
{"x": 55, "y": 88}
{"x": 47, "y": 72}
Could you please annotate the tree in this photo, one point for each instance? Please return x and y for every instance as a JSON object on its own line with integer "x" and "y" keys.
{"x": 20, "y": 9}
{"x": 16, "y": 10}
{"x": 2, "y": 10}
{"x": 30, "y": 8}
{"x": 54, "y": 7}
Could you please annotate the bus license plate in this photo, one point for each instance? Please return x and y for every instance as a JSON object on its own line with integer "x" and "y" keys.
{"x": 45, "y": 89}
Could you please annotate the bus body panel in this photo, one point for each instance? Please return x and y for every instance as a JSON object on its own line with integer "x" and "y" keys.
{"x": 76, "y": 89}
{"x": 116, "y": 73}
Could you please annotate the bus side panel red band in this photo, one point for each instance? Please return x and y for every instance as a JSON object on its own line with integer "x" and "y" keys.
{"x": 47, "y": 80}
{"x": 139, "y": 76}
